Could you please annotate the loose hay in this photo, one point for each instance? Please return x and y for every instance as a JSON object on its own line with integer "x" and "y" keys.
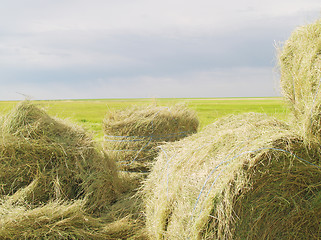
{"x": 132, "y": 135}
{"x": 62, "y": 219}
{"x": 300, "y": 65}
{"x": 243, "y": 177}
{"x": 126, "y": 219}
{"x": 55, "y": 220}
{"x": 65, "y": 159}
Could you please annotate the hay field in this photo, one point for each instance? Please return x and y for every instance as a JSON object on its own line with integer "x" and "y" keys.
{"x": 120, "y": 217}
{"x": 90, "y": 113}
{"x": 251, "y": 171}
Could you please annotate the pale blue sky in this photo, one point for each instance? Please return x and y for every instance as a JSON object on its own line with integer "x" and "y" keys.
{"x": 145, "y": 48}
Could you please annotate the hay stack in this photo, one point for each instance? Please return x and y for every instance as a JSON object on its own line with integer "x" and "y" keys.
{"x": 132, "y": 135}
{"x": 62, "y": 156}
{"x": 300, "y": 65}
{"x": 243, "y": 177}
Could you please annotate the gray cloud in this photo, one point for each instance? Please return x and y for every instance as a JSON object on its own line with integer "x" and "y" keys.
{"x": 69, "y": 49}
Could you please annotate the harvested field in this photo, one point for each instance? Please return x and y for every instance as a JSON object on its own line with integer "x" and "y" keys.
{"x": 90, "y": 113}
{"x": 248, "y": 176}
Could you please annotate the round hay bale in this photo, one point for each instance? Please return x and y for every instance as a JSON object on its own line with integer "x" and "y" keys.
{"x": 132, "y": 135}
{"x": 243, "y": 177}
{"x": 300, "y": 66}
{"x": 63, "y": 156}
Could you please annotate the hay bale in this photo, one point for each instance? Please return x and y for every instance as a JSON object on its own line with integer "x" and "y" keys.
{"x": 243, "y": 177}
{"x": 132, "y": 135}
{"x": 300, "y": 64}
{"x": 54, "y": 220}
{"x": 63, "y": 156}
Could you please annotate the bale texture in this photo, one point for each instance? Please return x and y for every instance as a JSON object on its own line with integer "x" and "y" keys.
{"x": 243, "y": 177}
{"x": 63, "y": 156}
{"x": 300, "y": 66}
{"x": 132, "y": 135}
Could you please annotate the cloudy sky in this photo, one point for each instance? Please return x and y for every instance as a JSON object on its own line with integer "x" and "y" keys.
{"x": 145, "y": 48}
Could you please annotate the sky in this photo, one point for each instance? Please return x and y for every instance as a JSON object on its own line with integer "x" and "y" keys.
{"x": 80, "y": 49}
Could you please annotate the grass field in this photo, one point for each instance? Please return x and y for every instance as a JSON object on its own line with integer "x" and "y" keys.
{"x": 90, "y": 113}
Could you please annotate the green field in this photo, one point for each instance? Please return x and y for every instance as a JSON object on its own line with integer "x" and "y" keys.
{"x": 90, "y": 113}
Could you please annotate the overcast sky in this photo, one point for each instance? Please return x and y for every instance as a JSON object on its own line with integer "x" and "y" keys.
{"x": 57, "y": 49}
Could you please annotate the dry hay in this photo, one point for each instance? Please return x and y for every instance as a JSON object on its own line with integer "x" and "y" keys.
{"x": 63, "y": 156}
{"x": 126, "y": 228}
{"x": 56, "y": 219}
{"x": 300, "y": 65}
{"x": 56, "y": 183}
{"x": 67, "y": 219}
{"x": 132, "y": 135}
{"x": 243, "y": 177}
{"x": 126, "y": 219}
